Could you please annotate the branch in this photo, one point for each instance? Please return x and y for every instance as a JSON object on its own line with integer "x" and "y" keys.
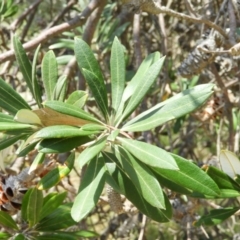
{"x": 151, "y": 6}
{"x": 79, "y": 20}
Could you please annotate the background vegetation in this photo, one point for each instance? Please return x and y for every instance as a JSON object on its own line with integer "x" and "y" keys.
{"x": 174, "y": 31}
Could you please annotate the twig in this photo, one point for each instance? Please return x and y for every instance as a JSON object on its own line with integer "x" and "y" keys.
{"x": 79, "y": 20}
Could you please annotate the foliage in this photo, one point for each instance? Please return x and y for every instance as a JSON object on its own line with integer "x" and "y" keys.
{"x": 126, "y": 125}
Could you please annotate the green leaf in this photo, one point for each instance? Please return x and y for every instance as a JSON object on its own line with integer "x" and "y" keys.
{"x": 52, "y": 203}
{"x": 24, "y": 63}
{"x": 60, "y": 89}
{"x": 90, "y": 189}
{"x": 62, "y": 131}
{"x": 216, "y": 216}
{"x": 6, "y": 118}
{"x": 177, "y": 106}
{"x": 142, "y": 177}
{"x": 97, "y": 90}
{"x": 144, "y": 84}
{"x": 4, "y": 236}
{"x": 92, "y": 73}
{"x": 8, "y": 141}
{"x": 49, "y": 73}
{"x": 132, "y": 85}
{"x": 58, "y": 173}
{"x": 77, "y": 98}
{"x": 117, "y": 63}
{"x": 31, "y": 206}
{"x": 7, "y": 221}
{"x": 20, "y": 237}
{"x": 58, "y": 219}
{"x": 222, "y": 179}
{"x": 129, "y": 190}
{"x": 90, "y": 152}
{"x": 35, "y": 85}
{"x": 190, "y": 176}
{"x": 57, "y": 236}
{"x": 93, "y": 127}
{"x": 71, "y": 110}
{"x": 24, "y": 151}
{"x": 8, "y": 126}
{"x": 149, "y": 154}
{"x": 11, "y": 101}
{"x": 36, "y": 162}
{"x": 61, "y": 145}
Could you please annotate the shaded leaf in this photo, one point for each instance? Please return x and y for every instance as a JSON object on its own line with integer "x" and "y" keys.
{"x": 58, "y": 219}
{"x": 38, "y": 160}
{"x": 61, "y": 145}
{"x": 59, "y": 91}
{"x": 55, "y": 176}
{"x": 7, "y": 221}
{"x": 31, "y": 206}
{"x": 52, "y": 203}
{"x": 11, "y": 101}
{"x": 8, "y": 141}
{"x": 216, "y": 216}
{"x": 129, "y": 190}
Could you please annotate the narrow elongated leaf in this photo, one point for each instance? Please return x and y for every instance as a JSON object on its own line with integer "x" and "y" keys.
{"x": 128, "y": 91}
{"x": 23, "y": 62}
{"x": 61, "y": 145}
{"x": 97, "y": 90}
{"x": 7, "y": 126}
{"x": 92, "y": 73}
{"x": 190, "y": 176}
{"x": 31, "y": 206}
{"x": 142, "y": 177}
{"x": 6, "y": 118}
{"x": 58, "y": 219}
{"x": 175, "y": 107}
{"x": 6, "y": 142}
{"x": 90, "y": 152}
{"x": 71, "y": 110}
{"x": 7, "y": 221}
{"x": 62, "y": 131}
{"x": 216, "y": 216}
{"x": 129, "y": 190}
{"x": 35, "y": 85}
{"x": 36, "y": 162}
{"x": 77, "y": 98}
{"x": 11, "y": 101}
{"x": 93, "y": 127}
{"x": 90, "y": 189}
{"x": 5, "y": 236}
{"x": 52, "y": 203}
{"x": 55, "y": 176}
{"x": 117, "y": 63}
{"x": 57, "y": 236}
{"x": 143, "y": 86}
{"x": 49, "y": 73}
{"x": 222, "y": 179}
{"x": 60, "y": 89}
{"x": 149, "y": 154}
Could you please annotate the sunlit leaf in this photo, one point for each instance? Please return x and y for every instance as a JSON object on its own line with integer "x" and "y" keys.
{"x": 149, "y": 154}
{"x": 77, "y": 98}
{"x": 230, "y": 163}
{"x": 7, "y": 221}
{"x": 49, "y": 73}
{"x": 27, "y": 116}
{"x": 90, "y": 189}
